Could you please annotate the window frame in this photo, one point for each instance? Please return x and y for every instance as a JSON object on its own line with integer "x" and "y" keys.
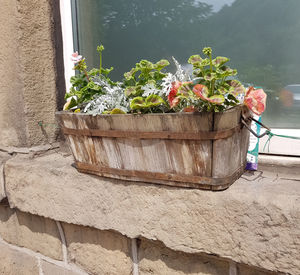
{"x": 67, "y": 36}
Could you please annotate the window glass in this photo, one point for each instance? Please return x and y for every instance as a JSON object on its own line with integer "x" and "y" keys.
{"x": 262, "y": 38}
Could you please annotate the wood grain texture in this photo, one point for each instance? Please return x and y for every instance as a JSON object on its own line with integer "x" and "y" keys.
{"x": 160, "y": 148}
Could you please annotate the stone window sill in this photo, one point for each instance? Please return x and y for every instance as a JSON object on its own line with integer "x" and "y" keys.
{"x": 246, "y": 223}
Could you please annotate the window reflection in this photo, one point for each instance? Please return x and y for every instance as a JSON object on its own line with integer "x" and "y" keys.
{"x": 261, "y": 37}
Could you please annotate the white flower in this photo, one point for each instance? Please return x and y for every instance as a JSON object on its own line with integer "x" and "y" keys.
{"x": 75, "y": 57}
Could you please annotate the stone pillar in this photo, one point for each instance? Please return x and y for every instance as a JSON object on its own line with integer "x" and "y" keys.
{"x": 31, "y": 69}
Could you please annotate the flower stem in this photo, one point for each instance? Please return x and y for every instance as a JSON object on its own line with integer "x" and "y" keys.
{"x": 87, "y": 76}
{"x": 100, "y": 69}
{"x": 212, "y": 84}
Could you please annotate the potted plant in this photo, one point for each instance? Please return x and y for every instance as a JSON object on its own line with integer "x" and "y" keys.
{"x": 155, "y": 126}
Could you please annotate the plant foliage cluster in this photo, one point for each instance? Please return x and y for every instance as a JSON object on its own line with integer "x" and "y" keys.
{"x": 149, "y": 88}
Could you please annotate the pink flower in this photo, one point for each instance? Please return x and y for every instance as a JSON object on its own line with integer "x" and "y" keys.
{"x": 76, "y": 57}
{"x": 255, "y": 100}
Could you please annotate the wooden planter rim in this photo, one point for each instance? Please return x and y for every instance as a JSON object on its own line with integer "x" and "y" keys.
{"x": 190, "y": 135}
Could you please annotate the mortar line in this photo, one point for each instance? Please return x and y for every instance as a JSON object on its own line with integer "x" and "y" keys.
{"x": 40, "y": 266}
{"x": 63, "y": 241}
{"x": 135, "y": 265}
{"x": 70, "y": 267}
{"x": 2, "y": 179}
{"x": 3, "y": 176}
{"x": 28, "y": 150}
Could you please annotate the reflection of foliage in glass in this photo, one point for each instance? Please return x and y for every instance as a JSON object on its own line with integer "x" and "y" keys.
{"x": 261, "y": 37}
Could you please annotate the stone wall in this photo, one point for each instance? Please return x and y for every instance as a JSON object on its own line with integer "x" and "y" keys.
{"x": 32, "y": 79}
{"x": 31, "y": 244}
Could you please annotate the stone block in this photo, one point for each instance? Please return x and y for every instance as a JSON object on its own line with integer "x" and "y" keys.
{"x": 52, "y": 269}
{"x": 33, "y": 232}
{"x": 255, "y": 221}
{"x": 98, "y": 252}
{"x": 13, "y": 262}
{"x": 155, "y": 258}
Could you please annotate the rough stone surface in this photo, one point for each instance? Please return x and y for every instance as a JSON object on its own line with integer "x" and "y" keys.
{"x": 98, "y": 252}
{"x": 155, "y": 258}
{"x": 28, "y": 84}
{"x": 51, "y": 269}
{"x": 255, "y": 221}
{"x": 33, "y": 232}
{"x": 14, "y": 262}
{"x": 12, "y": 124}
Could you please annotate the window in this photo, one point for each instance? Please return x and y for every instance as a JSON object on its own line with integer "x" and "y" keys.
{"x": 261, "y": 37}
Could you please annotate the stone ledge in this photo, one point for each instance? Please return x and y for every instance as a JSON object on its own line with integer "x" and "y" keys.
{"x": 255, "y": 221}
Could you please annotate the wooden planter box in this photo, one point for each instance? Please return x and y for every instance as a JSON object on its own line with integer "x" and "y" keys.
{"x": 198, "y": 150}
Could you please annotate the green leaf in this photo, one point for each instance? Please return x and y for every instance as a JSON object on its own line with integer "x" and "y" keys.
{"x": 145, "y": 64}
{"x": 195, "y": 60}
{"x": 161, "y": 64}
{"x": 154, "y": 100}
{"x": 226, "y": 71}
{"x": 93, "y": 72}
{"x": 223, "y": 90}
{"x": 131, "y": 90}
{"x": 219, "y": 61}
{"x": 130, "y": 75}
{"x": 216, "y": 99}
{"x": 137, "y": 103}
{"x": 107, "y": 71}
{"x": 205, "y": 62}
{"x": 237, "y": 87}
{"x": 78, "y": 80}
{"x": 117, "y": 111}
{"x": 93, "y": 86}
{"x": 210, "y": 76}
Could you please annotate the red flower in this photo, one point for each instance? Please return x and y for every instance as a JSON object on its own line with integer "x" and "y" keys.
{"x": 173, "y": 100}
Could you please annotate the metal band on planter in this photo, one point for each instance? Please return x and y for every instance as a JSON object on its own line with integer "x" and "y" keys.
{"x": 168, "y": 179}
{"x": 209, "y": 135}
